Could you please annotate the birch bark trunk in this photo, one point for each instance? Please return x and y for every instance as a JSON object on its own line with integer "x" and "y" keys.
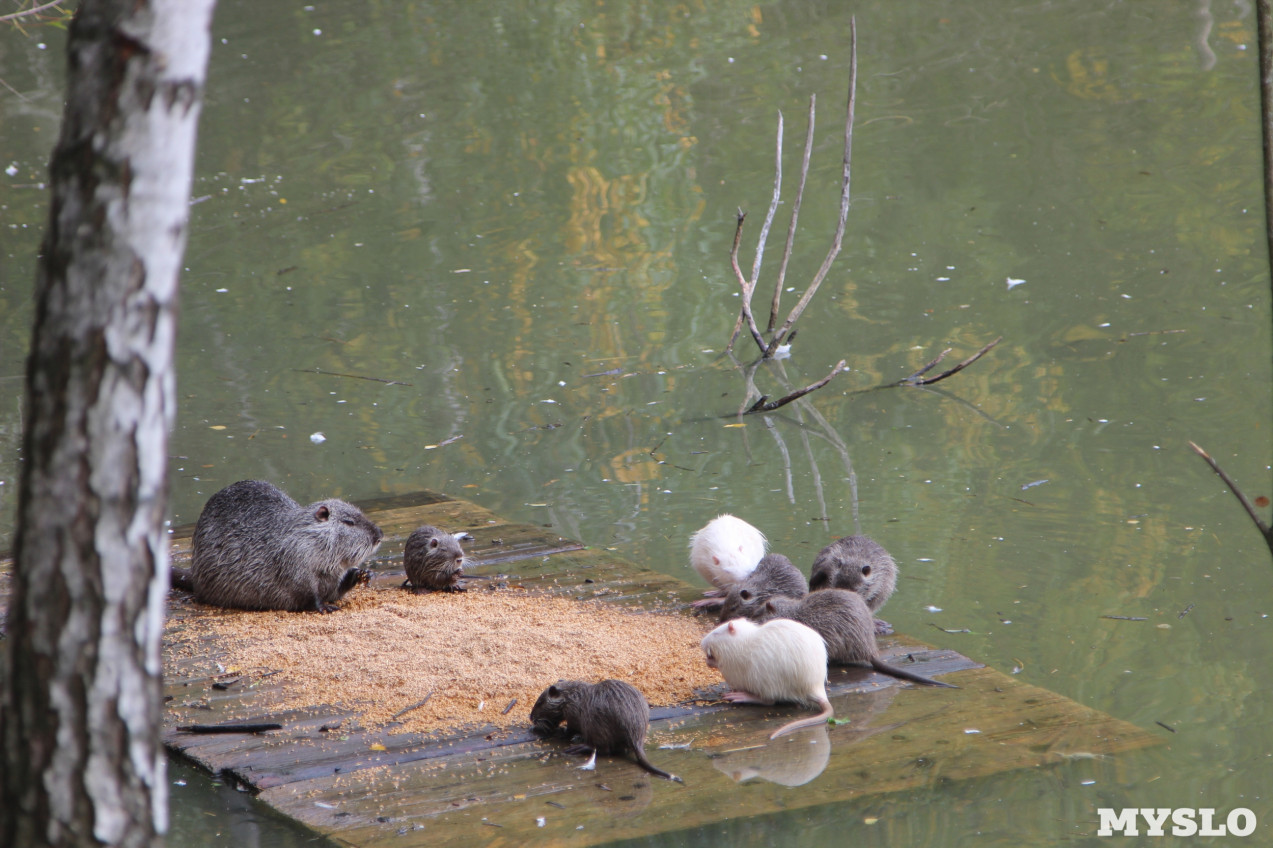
{"x": 81, "y": 698}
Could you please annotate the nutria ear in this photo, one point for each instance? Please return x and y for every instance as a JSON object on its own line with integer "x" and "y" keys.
{"x": 322, "y": 513}
{"x": 745, "y": 594}
{"x": 554, "y": 691}
{"x": 730, "y": 625}
{"x": 866, "y": 570}
{"x": 433, "y": 542}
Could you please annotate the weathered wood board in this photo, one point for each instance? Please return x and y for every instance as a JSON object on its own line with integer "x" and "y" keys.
{"x": 377, "y": 787}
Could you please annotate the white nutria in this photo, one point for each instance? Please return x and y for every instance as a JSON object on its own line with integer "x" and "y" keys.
{"x": 723, "y": 552}
{"x": 781, "y": 660}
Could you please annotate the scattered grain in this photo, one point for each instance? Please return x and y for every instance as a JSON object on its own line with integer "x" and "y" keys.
{"x": 386, "y": 650}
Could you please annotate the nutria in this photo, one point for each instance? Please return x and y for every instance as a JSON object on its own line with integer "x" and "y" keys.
{"x": 858, "y": 564}
{"x": 611, "y": 717}
{"x": 775, "y": 575}
{"x": 781, "y": 660}
{"x": 255, "y": 548}
{"x": 844, "y": 621}
{"x": 724, "y": 551}
{"x": 433, "y": 560}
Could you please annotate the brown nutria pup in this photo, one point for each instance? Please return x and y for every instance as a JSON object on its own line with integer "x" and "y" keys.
{"x": 611, "y": 717}
{"x": 858, "y": 564}
{"x": 775, "y": 575}
{"x": 844, "y": 621}
{"x": 434, "y": 561}
{"x": 255, "y": 548}
{"x": 780, "y": 660}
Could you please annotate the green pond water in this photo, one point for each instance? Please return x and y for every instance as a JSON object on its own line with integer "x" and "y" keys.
{"x": 516, "y": 218}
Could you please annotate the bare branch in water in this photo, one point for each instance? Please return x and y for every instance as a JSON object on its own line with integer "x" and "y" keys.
{"x": 914, "y": 381}
{"x": 844, "y": 200}
{"x": 350, "y": 376}
{"x": 747, "y": 289}
{"x": 795, "y": 214}
{"x": 769, "y": 217}
{"x": 766, "y": 405}
{"x": 929, "y": 367}
{"x": 1237, "y": 493}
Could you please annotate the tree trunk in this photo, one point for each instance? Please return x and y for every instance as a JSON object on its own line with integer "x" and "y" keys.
{"x": 81, "y": 704}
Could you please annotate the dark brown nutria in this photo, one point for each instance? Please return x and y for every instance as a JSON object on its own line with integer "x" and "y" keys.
{"x": 434, "y": 561}
{"x": 844, "y": 622}
{"x": 774, "y": 575}
{"x": 611, "y": 717}
{"x": 255, "y": 548}
{"x": 858, "y": 564}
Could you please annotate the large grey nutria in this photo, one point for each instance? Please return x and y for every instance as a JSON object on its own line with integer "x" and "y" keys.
{"x": 858, "y": 564}
{"x": 775, "y": 575}
{"x": 844, "y": 621}
{"x": 780, "y": 660}
{"x": 256, "y": 548}
{"x": 611, "y": 717}
{"x": 723, "y": 552}
{"x": 433, "y": 560}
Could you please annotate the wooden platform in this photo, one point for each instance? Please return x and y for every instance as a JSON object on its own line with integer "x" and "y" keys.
{"x": 381, "y": 788}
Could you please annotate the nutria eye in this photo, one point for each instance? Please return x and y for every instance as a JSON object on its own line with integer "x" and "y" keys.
{"x": 348, "y": 521}
{"x": 866, "y": 570}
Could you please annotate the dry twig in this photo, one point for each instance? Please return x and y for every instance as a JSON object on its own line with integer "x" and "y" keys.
{"x": 1238, "y": 493}
{"x": 914, "y": 379}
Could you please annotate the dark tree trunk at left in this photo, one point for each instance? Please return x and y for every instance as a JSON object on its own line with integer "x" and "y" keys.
{"x": 81, "y": 704}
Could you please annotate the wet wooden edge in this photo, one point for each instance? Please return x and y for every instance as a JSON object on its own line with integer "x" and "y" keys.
{"x": 898, "y": 738}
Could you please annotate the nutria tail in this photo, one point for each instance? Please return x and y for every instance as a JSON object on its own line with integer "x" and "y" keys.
{"x": 180, "y": 578}
{"x": 901, "y": 674}
{"x": 811, "y": 721}
{"x": 650, "y": 767}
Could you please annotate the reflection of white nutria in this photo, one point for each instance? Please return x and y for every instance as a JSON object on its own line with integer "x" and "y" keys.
{"x": 780, "y": 660}
{"x": 724, "y": 552}
{"x": 794, "y": 761}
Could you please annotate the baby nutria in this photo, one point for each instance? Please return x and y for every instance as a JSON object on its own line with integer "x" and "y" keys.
{"x": 255, "y": 548}
{"x": 858, "y": 564}
{"x": 844, "y": 621}
{"x": 775, "y": 575}
{"x": 434, "y": 560}
{"x": 780, "y": 660}
{"x": 724, "y": 551}
{"x": 612, "y": 717}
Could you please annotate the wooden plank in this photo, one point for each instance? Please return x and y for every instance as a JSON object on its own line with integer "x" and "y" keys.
{"x": 302, "y": 751}
{"x": 898, "y": 739}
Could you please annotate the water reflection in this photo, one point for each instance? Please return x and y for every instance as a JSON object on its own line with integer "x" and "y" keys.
{"x": 791, "y": 760}
{"x": 799, "y": 757}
